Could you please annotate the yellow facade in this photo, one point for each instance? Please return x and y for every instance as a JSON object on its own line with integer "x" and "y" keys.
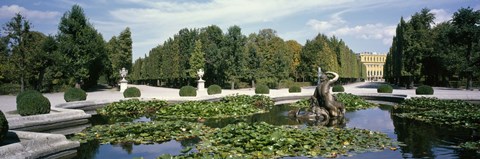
{"x": 374, "y": 63}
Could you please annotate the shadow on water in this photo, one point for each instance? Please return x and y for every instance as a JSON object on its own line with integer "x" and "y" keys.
{"x": 417, "y": 140}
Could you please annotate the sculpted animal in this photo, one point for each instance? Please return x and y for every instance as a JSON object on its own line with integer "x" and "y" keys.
{"x": 325, "y": 98}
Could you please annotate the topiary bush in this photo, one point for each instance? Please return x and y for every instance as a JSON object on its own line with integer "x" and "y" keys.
{"x": 424, "y": 90}
{"x": 3, "y": 127}
{"x": 338, "y": 88}
{"x": 21, "y": 94}
{"x": 262, "y": 89}
{"x": 214, "y": 89}
{"x": 188, "y": 91}
{"x": 32, "y": 103}
{"x": 384, "y": 88}
{"x": 74, "y": 94}
{"x": 132, "y": 92}
{"x": 294, "y": 89}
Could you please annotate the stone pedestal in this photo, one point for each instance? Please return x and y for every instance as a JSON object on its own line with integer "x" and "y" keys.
{"x": 123, "y": 85}
{"x": 201, "y": 85}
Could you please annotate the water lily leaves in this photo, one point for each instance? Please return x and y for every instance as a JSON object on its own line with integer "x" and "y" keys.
{"x": 351, "y": 102}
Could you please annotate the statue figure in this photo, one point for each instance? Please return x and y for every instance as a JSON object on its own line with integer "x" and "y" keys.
{"x": 200, "y": 73}
{"x": 123, "y": 73}
{"x": 322, "y": 103}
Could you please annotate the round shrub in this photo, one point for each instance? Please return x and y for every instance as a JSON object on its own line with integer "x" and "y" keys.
{"x": 294, "y": 89}
{"x": 338, "y": 88}
{"x": 188, "y": 91}
{"x": 214, "y": 89}
{"x": 32, "y": 104}
{"x": 3, "y": 127}
{"x": 384, "y": 88}
{"x": 262, "y": 89}
{"x": 21, "y": 94}
{"x": 424, "y": 90}
{"x": 74, "y": 94}
{"x": 132, "y": 92}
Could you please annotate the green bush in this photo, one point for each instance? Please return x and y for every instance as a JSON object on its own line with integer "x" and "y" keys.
{"x": 384, "y": 88}
{"x": 188, "y": 91}
{"x": 3, "y": 127}
{"x": 270, "y": 82}
{"x": 294, "y": 89}
{"x": 214, "y": 89}
{"x": 424, "y": 90}
{"x": 262, "y": 89}
{"x": 338, "y": 88}
{"x": 32, "y": 103}
{"x": 74, "y": 94}
{"x": 21, "y": 94}
{"x": 132, "y": 92}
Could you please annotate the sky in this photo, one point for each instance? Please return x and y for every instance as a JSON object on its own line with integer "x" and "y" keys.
{"x": 364, "y": 25}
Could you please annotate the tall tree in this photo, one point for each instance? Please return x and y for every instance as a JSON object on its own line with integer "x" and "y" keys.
{"x": 18, "y": 35}
{"x": 197, "y": 60}
{"x": 235, "y": 58}
{"x": 294, "y": 49}
{"x": 82, "y": 46}
{"x": 466, "y": 23}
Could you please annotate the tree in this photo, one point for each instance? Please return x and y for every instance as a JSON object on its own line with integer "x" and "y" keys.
{"x": 18, "y": 35}
{"x": 197, "y": 60}
{"x": 466, "y": 32}
{"x": 235, "y": 58}
{"x": 294, "y": 50}
{"x": 119, "y": 51}
{"x": 82, "y": 46}
{"x": 212, "y": 40}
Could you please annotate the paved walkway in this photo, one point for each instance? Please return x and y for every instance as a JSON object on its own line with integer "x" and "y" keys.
{"x": 7, "y": 102}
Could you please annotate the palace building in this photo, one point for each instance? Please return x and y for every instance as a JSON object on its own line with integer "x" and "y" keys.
{"x": 374, "y": 63}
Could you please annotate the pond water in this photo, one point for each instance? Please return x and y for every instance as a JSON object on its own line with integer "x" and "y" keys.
{"x": 417, "y": 140}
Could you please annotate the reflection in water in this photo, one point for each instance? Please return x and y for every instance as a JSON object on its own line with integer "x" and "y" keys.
{"x": 417, "y": 140}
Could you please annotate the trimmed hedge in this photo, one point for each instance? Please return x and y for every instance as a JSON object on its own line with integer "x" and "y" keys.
{"x": 32, "y": 103}
{"x": 132, "y": 92}
{"x": 294, "y": 89}
{"x": 214, "y": 89}
{"x": 424, "y": 90}
{"x": 21, "y": 94}
{"x": 74, "y": 94}
{"x": 3, "y": 127}
{"x": 338, "y": 88}
{"x": 188, "y": 91}
{"x": 262, "y": 89}
{"x": 384, "y": 88}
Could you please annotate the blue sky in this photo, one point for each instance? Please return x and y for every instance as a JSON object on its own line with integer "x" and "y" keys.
{"x": 365, "y": 25}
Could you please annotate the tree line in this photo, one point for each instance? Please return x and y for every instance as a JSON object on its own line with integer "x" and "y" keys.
{"x": 234, "y": 60}
{"x": 434, "y": 54}
{"x": 76, "y": 56}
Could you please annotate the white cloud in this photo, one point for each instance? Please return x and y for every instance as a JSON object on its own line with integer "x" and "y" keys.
{"x": 323, "y": 26}
{"x": 441, "y": 15}
{"x": 377, "y": 31}
{"x": 10, "y": 11}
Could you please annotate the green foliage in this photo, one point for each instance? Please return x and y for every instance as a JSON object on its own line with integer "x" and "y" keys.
{"x": 32, "y": 103}
{"x": 262, "y": 89}
{"x": 188, "y": 91}
{"x": 197, "y": 60}
{"x": 441, "y": 112}
{"x": 74, "y": 94}
{"x": 353, "y": 102}
{"x": 119, "y": 52}
{"x": 132, "y": 92}
{"x": 21, "y": 94}
{"x": 230, "y": 106}
{"x": 350, "y": 101}
{"x": 214, "y": 89}
{"x": 142, "y": 132}
{"x": 260, "y": 140}
{"x": 132, "y": 107}
{"x": 424, "y": 90}
{"x": 294, "y": 89}
{"x": 82, "y": 47}
{"x": 384, "y": 88}
{"x": 471, "y": 145}
{"x": 3, "y": 127}
{"x": 338, "y": 88}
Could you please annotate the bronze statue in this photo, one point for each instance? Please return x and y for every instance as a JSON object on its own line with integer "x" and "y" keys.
{"x": 323, "y": 105}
